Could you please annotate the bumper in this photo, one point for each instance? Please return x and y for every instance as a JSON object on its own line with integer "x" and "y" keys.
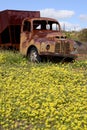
{"x": 73, "y": 56}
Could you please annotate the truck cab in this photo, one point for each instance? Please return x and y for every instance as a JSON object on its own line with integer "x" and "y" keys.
{"x": 43, "y": 37}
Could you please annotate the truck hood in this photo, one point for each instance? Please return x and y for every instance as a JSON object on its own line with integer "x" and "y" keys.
{"x": 49, "y": 34}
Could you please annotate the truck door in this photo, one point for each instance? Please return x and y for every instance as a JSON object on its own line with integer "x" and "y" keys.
{"x": 27, "y": 29}
{"x": 25, "y": 35}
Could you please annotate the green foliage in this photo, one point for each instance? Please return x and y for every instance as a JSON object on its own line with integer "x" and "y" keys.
{"x": 11, "y": 58}
{"x": 83, "y": 35}
{"x": 79, "y": 36}
{"x": 67, "y": 34}
{"x": 72, "y": 35}
{"x": 42, "y": 96}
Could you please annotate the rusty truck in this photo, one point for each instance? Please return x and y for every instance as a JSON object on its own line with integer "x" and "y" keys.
{"x": 34, "y": 36}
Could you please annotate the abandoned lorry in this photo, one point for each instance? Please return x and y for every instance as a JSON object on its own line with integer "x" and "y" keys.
{"x": 34, "y": 36}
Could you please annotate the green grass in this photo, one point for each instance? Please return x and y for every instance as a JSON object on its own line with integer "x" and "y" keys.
{"x": 45, "y": 96}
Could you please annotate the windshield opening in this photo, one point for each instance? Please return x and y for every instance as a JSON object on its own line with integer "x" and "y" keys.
{"x": 45, "y": 25}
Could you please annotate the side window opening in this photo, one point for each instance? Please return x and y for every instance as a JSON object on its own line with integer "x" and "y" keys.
{"x": 27, "y": 26}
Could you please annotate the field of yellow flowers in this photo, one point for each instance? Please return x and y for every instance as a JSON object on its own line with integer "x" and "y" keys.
{"x": 45, "y": 96}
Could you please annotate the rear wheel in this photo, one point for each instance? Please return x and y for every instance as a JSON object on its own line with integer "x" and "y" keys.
{"x": 33, "y": 55}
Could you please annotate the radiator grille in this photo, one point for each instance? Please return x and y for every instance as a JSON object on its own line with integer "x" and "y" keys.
{"x": 62, "y": 47}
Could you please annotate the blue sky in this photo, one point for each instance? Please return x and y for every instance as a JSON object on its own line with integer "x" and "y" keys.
{"x": 72, "y": 14}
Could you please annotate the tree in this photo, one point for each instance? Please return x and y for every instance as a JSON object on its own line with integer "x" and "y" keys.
{"x": 83, "y": 35}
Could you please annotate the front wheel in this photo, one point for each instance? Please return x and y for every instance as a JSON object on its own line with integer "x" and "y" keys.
{"x": 33, "y": 55}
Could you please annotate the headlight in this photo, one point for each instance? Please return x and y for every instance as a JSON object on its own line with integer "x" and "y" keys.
{"x": 47, "y": 47}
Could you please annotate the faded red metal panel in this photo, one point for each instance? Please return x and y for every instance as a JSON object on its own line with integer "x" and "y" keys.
{"x": 3, "y": 20}
{"x": 9, "y": 18}
{"x": 15, "y": 17}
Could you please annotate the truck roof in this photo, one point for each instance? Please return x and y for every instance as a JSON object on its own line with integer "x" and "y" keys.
{"x": 42, "y": 18}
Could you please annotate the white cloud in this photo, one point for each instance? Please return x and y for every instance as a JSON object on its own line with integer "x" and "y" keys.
{"x": 83, "y": 17}
{"x": 58, "y": 14}
{"x": 69, "y": 26}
